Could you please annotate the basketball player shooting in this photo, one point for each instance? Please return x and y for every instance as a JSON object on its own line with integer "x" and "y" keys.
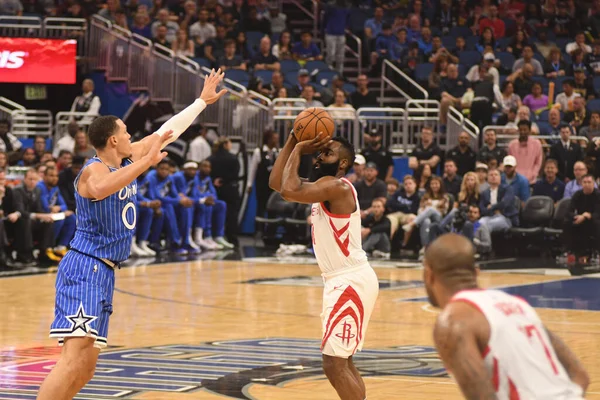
{"x": 105, "y": 195}
{"x": 351, "y": 286}
{"x": 494, "y": 344}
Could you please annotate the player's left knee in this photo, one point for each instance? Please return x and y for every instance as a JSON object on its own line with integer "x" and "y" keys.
{"x": 333, "y": 366}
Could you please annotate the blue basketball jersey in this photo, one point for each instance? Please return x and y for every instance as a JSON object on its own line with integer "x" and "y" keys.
{"x": 106, "y": 227}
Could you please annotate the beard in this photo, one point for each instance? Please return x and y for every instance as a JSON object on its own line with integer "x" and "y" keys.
{"x": 320, "y": 170}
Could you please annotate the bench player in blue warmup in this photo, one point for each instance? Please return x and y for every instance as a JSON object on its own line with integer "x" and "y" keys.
{"x": 106, "y": 192}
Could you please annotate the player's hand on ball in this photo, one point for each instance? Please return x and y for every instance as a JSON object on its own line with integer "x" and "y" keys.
{"x": 209, "y": 91}
{"x": 155, "y": 154}
{"x": 314, "y": 145}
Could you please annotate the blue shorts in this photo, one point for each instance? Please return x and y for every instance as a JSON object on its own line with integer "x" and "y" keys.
{"x": 84, "y": 295}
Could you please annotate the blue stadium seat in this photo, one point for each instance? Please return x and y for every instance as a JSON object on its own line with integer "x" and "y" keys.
{"x": 462, "y": 71}
{"x": 506, "y": 59}
{"x": 597, "y": 83}
{"x": 594, "y": 105}
{"x": 558, "y": 83}
{"x": 237, "y": 75}
{"x": 291, "y": 77}
{"x": 503, "y": 43}
{"x": 264, "y": 75}
{"x": 509, "y": 24}
{"x": 470, "y": 57}
{"x": 289, "y": 66}
{"x": 539, "y": 57}
{"x": 463, "y": 31}
{"x": 561, "y": 43}
{"x": 502, "y": 79}
{"x": 253, "y": 39}
{"x": 275, "y": 38}
{"x": 203, "y": 62}
{"x": 472, "y": 41}
{"x": 543, "y": 116}
{"x": 567, "y": 58}
{"x": 324, "y": 78}
{"x": 349, "y": 88}
{"x": 320, "y": 65}
{"x": 357, "y": 19}
{"x": 545, "y": 128}
{"x": 449, "y": 42}
{"x": 422, "y": 72}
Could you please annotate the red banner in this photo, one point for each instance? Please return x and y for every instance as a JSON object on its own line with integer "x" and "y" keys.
{"x": 37, "y": 60}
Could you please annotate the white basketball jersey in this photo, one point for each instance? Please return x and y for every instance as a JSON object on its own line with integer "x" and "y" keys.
{"x": 519, "y": 356}
{"x": 336, "y": 238}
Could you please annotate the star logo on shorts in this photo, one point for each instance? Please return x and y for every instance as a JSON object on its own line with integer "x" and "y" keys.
{"x": 81, "y": 320}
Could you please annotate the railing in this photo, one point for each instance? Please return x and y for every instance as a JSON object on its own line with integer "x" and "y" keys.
{"x": 285, "y": 111}
{"x": 188, "y": 83}
{"x": 311, "y": 14}
{"x": 63, "y": 119}
{"x": 162, "y": 72}
{"x": 355, "y": 53}
{"x": 118, "y": 55}
{"x": 547, "y": 140}
{"x": 99, "y": 42}
{"x": 31, "y": 123}
{"x": 389, "y": 121}
{"x": 7, "y": 107}
{"x": 396, "y": 79}
{"x": 140, "y": 57}
{"x": 421, "y": 113}
{"x": 457, "y": 123}
{"x": 15, "y": 26}
{"x": 68, "y": 28}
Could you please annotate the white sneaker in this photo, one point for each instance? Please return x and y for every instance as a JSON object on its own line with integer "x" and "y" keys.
{"x": 380, "y": 254}
{"x": 193, "y": 245}
{"x": 205, "y": 244}
{"x": 144, "y": 246}
{"x": 217, "y": 246}
{"x": 136, "y": 251}
{"x": 221, "y": 240}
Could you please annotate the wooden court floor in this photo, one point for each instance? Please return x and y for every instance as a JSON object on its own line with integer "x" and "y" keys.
{"x": 221, "y": 329}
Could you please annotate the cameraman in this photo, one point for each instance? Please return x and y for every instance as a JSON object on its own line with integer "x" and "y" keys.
{"x": 466, "y": 222}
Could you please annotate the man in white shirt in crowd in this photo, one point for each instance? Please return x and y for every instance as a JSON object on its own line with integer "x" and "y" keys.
{"x": 308, "y": 93}
{"x": 172, "y": 27}
{"x": 579, "y": 43}
{"x": 202, "y": 30}
{"x": 474, "y": 73}
{"x": 527, "y": 58}
{"x": 199, "y": 149}
{"x": 565, "y": 99}
{"x": 87, "y": 103}
{"x": 8, "y": 142}
{"x": 66, "y": 142}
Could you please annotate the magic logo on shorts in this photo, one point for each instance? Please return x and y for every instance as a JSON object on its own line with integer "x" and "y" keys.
{"x": 226, "y": 367}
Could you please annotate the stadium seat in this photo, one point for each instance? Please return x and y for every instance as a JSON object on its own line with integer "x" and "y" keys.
{"x": 561, "y": 43}
{"x": 540, "y": 58}
{"x": 470, "y": 57}
{"x": 253, "y": 39}
{"x": 291, "y": 77}
{"x": 506, "y": 59}
{"x": 460, "y": 31}
{"x": 545, "y": 127}
{"x": 597, "y": 83}
{"x": 298, "y": 224}
{"x": 543, "y": 116}
{"x": 357, "y": 19}
{"x": 567, "y": 58}
{"x": 277, "y": 210}
{"x": 324, "y": 78}
{"x": 503, "y": 43}
{"x": 202, "y": 62}
{"x": 594, "y": 105}
{"x": 555, "y": 228}
{"x": 449, "y": 42}
{"x": 317, "y": 65}
{"x": 422, "y": 72}
{"x": 237, "y": 75}
{"x": 264, "y": 75}
{"x": 558, "y": 83}
{"x": 536, "y": 214}
{"x": 349, "y": 88}
{"x": 289, "y": 66}
{"x": 472, "y": 42}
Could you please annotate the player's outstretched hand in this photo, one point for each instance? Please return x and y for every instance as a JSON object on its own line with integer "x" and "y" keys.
{"x": 155, "y": 155}
{"x": 209, "y": 91}
{"x": 314, "y": 145}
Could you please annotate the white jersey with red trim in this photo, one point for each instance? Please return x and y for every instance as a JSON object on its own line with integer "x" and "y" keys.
{"x": 519, "y": 356}
{"x": 337, "y": 238}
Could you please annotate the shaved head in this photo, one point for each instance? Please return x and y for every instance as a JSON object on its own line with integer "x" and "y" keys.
{"x": 449, "y": 266}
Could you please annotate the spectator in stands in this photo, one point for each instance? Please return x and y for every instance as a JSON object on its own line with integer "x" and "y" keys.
{"x": 283, "y": 48}
{"x": 303, "y": 81}
{"x": 358, "y": 169}
{"x": 523, "y": 114}
{"x": 543, "y": 44}
{"x": 341, "y": 111}
{"x": 30, "y": 222}
{"x": 199, "y": 148}
{"x": 582, "y": 85}
{"x": 426, "y": 152}
{"x": 592, "y": 60}
{"x": 507, "y": 100}
{"x": 264, "y": 59}
{"x": 370, "y": 188}
{"x": 482, "y": 106}
{"x": 215, "y": 47}
{"x": 435, "y": 77}
{"x": 392, "y": 186}
{"x": 582, "y": 222}
{"x": 402, "y": 206}
{"x": 376, "y": 153}
{"x": 260, "y": 168}
{"x": 82, "y": 145}
{"x": 9, "y": 144}
{"x": 527, "y": 58}
{"x": 452, "y": 181}
{"x": 306, "y": 49}
{"x": 141, "y": 24}
{"x": 555, "y": 66}
{"x": 462, "y": 154}
{"x": 425, "y": 41}
{"x": 516, "y": 181}
{"x": 230, "y": 60}
{"x": 579, "y": 43}
{"x": 577, "y": 62}
{"x": 362, "y": 97}
{"x": 202, "y": 30}
{"x": 491, "y": 149}
{"x": 521, "y": 24}
{"x": 109, "y": 13}
{"x": 487, "y": 42}
{"x": 189, "y": 15}
{"x": 592, "y": 131}
{"x": 375, "y": 231}
{"x": 373, "y": 26}
{"x": 565, "y": 99}
{"x": 536, "y": 100}
{"x": 171, "y": 27}
{"x": 67, "y": 142}
{"x": 452, "y": 89}
{"x": 383, "y": 43}
{"x": 277, "y": 19}
{"x": 492, "y": 22}
{"x": 183, "y": 46}
{"x": 308, "y": 93}
{"x": 477, "y": 72}
{"x": 414, "y": 28}
{"x": 579, "y": 171}
{"x": 412, "y": 59}
{"x": 88, "y": 102}
{"x": 161, "y": 38}
{"x": 121, "y": 19}
{"x": 527, "y": 151}
{"x": 522, "y": 80}
{"x": 65, "y": 158}
{"x": 65, "y": 181}
{"x": 39, "y": 147}
{"x": 564, "y": 24}
{"x": 224, "y": 169}
{"x": 566, "y": 153}
{"x": 460, "y": 45}
{"x": 423, "y": 176}
{"x": 579, "y": 117}
{"x": 481, "y": 169}
{"x": 53, "y": 203}
{"x": 497, "y": 205}
{"x": 445, "y": 16}
{"x": 549, "y": 185}
{"x": 27, "y": 158}
{"x": 335, "y": 21}
{"x": 251, "y": 22}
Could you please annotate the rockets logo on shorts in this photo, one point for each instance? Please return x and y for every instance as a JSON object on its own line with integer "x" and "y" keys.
{"x": 80, "y": 320}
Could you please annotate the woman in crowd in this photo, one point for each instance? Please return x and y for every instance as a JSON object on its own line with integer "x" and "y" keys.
{"x": 486, "y": 40}
{"x": 283, "y": 49}
{"x": 422, "y": 177}
{"x": 242, "y": 48}
{"x": 507, "y": 100}
{"x": 183, "y": 45}
{"x": 537, "y": 100}
{"x": 517, "y": 43}
{"x": 554, "y": 66}
{"x": 437, "y": 74}
{"x": 340, "y": 111}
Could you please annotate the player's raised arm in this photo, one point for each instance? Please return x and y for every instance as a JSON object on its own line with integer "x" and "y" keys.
{"x": 277, "y": 170}
{"x": 97, "y": 182}
{"x": 456, "y": 341}
{"x": 570, "y": 362}
{"x": 294, "y": 189}
{"x": 181, "y": 121}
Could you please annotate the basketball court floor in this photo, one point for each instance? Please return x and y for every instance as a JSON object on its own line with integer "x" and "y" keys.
{"x": 250, "y": 329}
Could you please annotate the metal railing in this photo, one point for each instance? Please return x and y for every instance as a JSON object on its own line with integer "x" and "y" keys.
{"x": 100, "y": 39}
{"x": 397, "y": 80}
{"x": 68, "y": 28}
{"x": 355, "y": 53}
{"x": 32, "y": 123}
{"x": 188, "y": 83}
{"x": 63, "y": 118}
{"x": 16, "y": 26}
{"x": 456, "y": 124}
{"x": 7, "y": 107}
{"x": 389, "y": 121}
{"x": 140, "y": 56}
{"x": 547, "y": 140}
{"x": 162, "y": 73}
{"x": 312, "y": 14}
{"x": 118, "y": 55}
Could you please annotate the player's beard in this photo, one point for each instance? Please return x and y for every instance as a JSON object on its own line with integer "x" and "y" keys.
{"x": 322, "y": 169}
{"x": 432, "y": 300}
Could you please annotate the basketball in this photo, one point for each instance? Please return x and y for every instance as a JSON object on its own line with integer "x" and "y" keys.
{"x": 311, "y": 121}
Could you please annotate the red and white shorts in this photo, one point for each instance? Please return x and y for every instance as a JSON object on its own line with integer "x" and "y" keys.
{"x": 348, "y": 301}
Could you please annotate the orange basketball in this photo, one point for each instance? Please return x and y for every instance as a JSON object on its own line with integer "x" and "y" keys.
{"x": 311, "y": 121}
